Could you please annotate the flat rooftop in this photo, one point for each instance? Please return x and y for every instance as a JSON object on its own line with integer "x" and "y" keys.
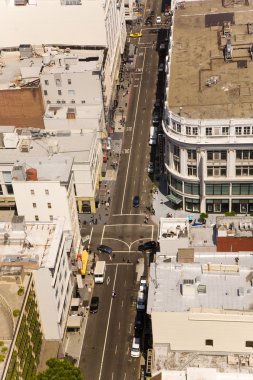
{"x": 18, "y": 145}
{"x": 218, "y": 281}
{"x": 203, "y": 85}
{"x": 29, "y": 245}
{"x": 48, "y": 168}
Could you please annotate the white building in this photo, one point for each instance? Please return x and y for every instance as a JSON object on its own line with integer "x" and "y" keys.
{"x": 201, "y": 373}
{"x": 44, "y": 190}
{"x": 202, "y": 307}
{"x": 82, "y": 145}
{"x": 99, "y": 24}
{"x": 208, "y": 107}
{"x": 43, "y": 249}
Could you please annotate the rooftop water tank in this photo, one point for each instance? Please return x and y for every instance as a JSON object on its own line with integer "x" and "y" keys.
{"x": 46, "y": 59}
{"x": 31, "y": 174}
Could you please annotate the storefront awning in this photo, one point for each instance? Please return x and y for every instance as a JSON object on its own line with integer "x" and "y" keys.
{"x": 74, "y": 322}
{"x": 84, "y": 262}
{"x": 174, "y": 199}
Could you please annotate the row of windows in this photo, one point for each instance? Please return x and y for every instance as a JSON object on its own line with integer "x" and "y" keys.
{"x": 213, "y": 155}
{"x": 70, "y": 92}
{"x": 57, "y": 82}
{"x": 212, "y": 131}
{"x": 32, "y": 192}
{"x": 36, "y": 218}
{"x": 49, "y": 205}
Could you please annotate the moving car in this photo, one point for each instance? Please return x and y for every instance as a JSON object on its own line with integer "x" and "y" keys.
{"x": 150, "y": 167}
{"x": 147, "y": 246}
{"x": 158, "y": 20}
{"x": 94, "y": 305}
{"x": 143, "y": 285}
{"x": 135, "y": 350}
{"x": 135, "y": 34}
{"x": 104, "y": 249}
{"x": 141, "y": 301}
{"x": 136, "y": 201}
{"x": 148, "y": 21}
{"x": 152, "y": 13}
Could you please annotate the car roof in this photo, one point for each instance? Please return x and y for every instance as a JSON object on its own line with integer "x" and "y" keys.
{"x": 94, "y": 299}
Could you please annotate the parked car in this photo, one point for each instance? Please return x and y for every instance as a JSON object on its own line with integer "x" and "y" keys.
{"x": 139, "y": 321}
{"x": 104, "y": 249}
{"x": 143, "y": 285}
{"x": 150, "y": 167}
{"x": 161, "y": 67}
{"x": 147, "y": 246}
{"x": 94, "y": 305}
{"x": 152, "y": 13}
{"x": 148, "y": 21}
{"x": 136, "y": 201}
{"x": 156, "y": 117}
{"x": 158, "y": 20}
{"x": 141, "y": 301}
{"x": 135, "y": 350}
{"x": 135, "y": 34}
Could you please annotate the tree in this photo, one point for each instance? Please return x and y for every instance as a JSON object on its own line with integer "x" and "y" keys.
{"x": 60, "y": 370}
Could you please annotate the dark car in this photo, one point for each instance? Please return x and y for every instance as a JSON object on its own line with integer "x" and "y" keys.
{"x": 147, "y": 246}
{"x": 138, "y": 324}
{"x": 148, "y": 21}
{"x": 94, "y": 305}
{"x": 104, "y": 249}
{"x": 152, "y": 13}
{"x": 136, "y": 201}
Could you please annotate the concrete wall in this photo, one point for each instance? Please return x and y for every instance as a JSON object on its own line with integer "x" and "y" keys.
{"x": 188, "y": 331}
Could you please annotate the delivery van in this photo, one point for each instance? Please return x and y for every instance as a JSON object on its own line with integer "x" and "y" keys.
{"x": 99, "y": 272}
{"x": 153, "y": 136}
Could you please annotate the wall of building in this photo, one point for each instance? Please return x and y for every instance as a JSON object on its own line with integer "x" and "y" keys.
{"x": 188, "y": 331}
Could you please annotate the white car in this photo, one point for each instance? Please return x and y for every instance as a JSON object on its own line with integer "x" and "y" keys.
{"x": 150, "y": 167}
{"x": 143, "y": 285}
{"x": 135, "y": 350}
{"x": 158, "y": 20}
{"x": 141, "y": 301}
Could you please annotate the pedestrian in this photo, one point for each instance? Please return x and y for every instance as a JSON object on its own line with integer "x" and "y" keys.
{"x": 128, "y": 261}
{"x": 96, "y": 221}
{"x": 123, "y": 259}
{"x": 113, "y": 294}
{"x": 110, "y": 257}
{"x": 113, "y": 255}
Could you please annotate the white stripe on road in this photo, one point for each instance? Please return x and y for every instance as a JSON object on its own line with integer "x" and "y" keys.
{"x": 122, "y": 304}
{"x": 125, "y": 376}
{"x": 107, "y": 327}
{"x": 119, "y": 326}
{"x": 116, "y": 348}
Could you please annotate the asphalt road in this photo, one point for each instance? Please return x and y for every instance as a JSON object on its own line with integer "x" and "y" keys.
{"x": 106, "y": 353}
{"x": 109, "y": 333}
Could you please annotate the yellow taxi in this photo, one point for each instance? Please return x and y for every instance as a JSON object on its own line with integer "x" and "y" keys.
{"x": 135, "y": 34}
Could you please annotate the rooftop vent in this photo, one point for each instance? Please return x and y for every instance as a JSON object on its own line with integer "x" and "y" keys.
{"x": 201, "y": 289}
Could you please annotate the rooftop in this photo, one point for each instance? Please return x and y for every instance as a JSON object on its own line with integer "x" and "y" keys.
{"x": 211, "y": 74}
{"x": 28, "y": 245}
{"x": 214, "y": 280}
{"x": 25, "y": 143}
{"x": 47, "y": 168}
{"x": 236, "y": 226}
{"x": 21, "y": 67}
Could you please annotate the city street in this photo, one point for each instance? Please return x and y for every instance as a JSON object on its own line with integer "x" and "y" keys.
{"x": 109, "y": 332}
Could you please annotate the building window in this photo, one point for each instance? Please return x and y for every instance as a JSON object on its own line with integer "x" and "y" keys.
{"x": 188, "y": 130}
{"x": 242, "y": 188}
{"x": 213, "y": 171}
{"x": 177, "y": 166}
{"x": 45, "y": 92}
{"x": 216, "y": 155}
{"x": 9, "y": 189}
{"x": 246, "y": 130}
{"x": 195, "y": 131}
{"x": 46, "y": 82}
{"x": 176, "y": 184}
{"x": 249, "y": 343}
{"x": 192, "y": 155}
{"x": 217, "y": 189}
{"x": 242, "y": 206}
{"x": 209, "y": 342}
{"x": 34, "y": 205}
{"x": 49, "y": 205}
{"x": 242, "y": 171}
{"x": 57, "y": 81}
{"x": 176, "y": 151}
{"x": 59, "y": 92}
{"x": 32, "y": 192}
{"x": 225, "y": 131}
{"x": 244, "y": 154}
{"x": 217, "y": 205}
{"x": 192, "y": 170}
{"x": 192, "y": 205}
{"x": 1, "y": 190}
{"x": 179, "y": 128}
{"x": 191, "y": 188}
{"x": 62, "y": 289}
{"x": 238, "y": 131}
{"x": 69, "y": 81}
{"x": 36, "y": 218}
{"x": 209, "y": 131}
{"x": 46, "y": 191}
{"x": 51, "y": 218}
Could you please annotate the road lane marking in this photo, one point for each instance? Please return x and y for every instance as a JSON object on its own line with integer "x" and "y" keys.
{"x": 108, "y": 280}
{"x": 130, "y": 327}
{"x": 125, "y": 283}
{"x": 119, "y": 326}
{"x": 116, "y": 348}
{"x": 107, "y": 327}
{"x": 122, "y": 304}
{"x": 132, "y": 138}
{"x": 112, "y": 376}
{"x": 102, "y": 235}
{"x": 125, "y": 376}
